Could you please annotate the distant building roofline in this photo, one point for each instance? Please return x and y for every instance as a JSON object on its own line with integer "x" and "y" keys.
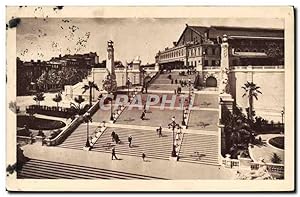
{"x": 256, "y": 37}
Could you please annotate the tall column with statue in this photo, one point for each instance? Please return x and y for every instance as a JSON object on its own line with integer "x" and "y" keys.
{"x": 224, "y": 87}
{"x": 110, "y": 83}
{"x": 225, "y": 97}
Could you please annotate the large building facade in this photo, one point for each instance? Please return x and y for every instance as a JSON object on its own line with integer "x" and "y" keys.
{"x": 255, "y": 54}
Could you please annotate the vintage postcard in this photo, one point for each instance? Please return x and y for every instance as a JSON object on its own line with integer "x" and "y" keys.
{"x": 150, "y": 98}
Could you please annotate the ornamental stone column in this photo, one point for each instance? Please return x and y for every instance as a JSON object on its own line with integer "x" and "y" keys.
{"x": 224, "y": 87}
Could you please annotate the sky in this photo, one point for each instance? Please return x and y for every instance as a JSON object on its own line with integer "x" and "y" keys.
{"x": 43, "y": 38}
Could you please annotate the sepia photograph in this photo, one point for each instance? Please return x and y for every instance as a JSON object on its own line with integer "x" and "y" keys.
{"x": 150, "y": 98}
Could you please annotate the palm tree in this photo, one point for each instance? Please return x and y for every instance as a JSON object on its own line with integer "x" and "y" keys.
{"x": 79, "y": 100}
{"x": 76, "y": 109}
{"x": 91, "y": 85}
{"x": 57, "y": 98}
{"x": 110, "y": 85}
{"x": 39, "y": 97}
{"x": 87, "y": 118}
{"x": 252, "y": 90}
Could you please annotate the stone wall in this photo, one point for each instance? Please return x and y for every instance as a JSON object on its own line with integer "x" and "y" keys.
{"x": 271, "y": 101}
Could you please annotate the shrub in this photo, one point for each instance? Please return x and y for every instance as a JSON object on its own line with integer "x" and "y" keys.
{"x": 41, "y": 133}
{"x": 276, "y": 158}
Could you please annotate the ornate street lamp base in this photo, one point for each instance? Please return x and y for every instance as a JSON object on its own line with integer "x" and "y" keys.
{"x": 174, "y": 152}
{"x": 87, "y": 144}
{"x": 183, "y": 123}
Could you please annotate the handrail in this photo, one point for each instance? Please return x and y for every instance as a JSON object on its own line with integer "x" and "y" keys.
{"x": 257, "y": 67}
{"x": 71, "y": 127}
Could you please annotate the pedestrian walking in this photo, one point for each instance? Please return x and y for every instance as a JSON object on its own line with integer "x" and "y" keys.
{"x": 117, "y": 139}
{"x": 113, "y": 135}
{"x": 129, "y": 140}
{"x": 160, "y": 132}
{"x": 175, "y": 91}
{"x": 143, "y": 156}
{"x": 143, "y": 115}
{"x": 113, "y": 154}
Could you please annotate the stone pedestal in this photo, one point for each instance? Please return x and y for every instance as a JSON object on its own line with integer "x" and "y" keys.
{"x": 226, "y": 100}
{"x": 40, "y": 140}
{"x": 228, "y": 161}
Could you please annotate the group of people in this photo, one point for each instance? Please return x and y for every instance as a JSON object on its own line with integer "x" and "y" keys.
{"x": 182, "y": 82}
{"x": 115, "y": 138}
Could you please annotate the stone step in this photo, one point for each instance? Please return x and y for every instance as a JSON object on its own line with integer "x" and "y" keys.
{"x": 37, "y": 169}
{"x": 203, "y": 144}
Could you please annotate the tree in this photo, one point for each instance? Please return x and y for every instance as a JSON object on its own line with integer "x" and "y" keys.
{"x": 39, "y": 97}
{"x": 79, "y": 100}
{"x": 252, "y": 90}
{"x": 57, "y": 98}
{"x": 42, "y": 82}
{"x": 238, "y": 133}
{"x": 87, "y": 118}
{"x": 77, "y": 110}
{"x": 109, "y": 83}
{"x": 90, "y": 86}
{"x": 275, "y": 158}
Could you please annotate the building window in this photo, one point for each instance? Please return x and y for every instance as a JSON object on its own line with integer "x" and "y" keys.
{"x": 205, "y": 62}
{"x": 205, "y": 51}
{"x": 234, "y": 63}
{"x": 195, "y": 63}
{"x": 209, "y": 51}
{"x": 213, "y": 62}
{"x": 191, "y": 63}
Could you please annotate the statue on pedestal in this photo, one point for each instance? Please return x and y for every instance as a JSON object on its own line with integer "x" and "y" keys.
{"x": 224, "y": 85}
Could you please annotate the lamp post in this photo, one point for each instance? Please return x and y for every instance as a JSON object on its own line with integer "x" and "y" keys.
{"x": 128, "y": 83}
{"x": 173, "y": 125}
{"x": 282, "y": 114}
{"x": 189, "y": 90}
{"x": 143, "y": 73}
{"x": 87, "y": 118}
{"x": 183, "y": 121}
{"x": 111, "y": 112}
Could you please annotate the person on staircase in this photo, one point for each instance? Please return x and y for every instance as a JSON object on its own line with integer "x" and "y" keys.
{"x": 129, "y": 141}
{"x": 113, "y": 154}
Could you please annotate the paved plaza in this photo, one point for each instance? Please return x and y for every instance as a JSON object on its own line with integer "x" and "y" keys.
{"x": 154, "y": 117}
{"x": 204, "y": 120}
{"x": 206, "y": 101}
